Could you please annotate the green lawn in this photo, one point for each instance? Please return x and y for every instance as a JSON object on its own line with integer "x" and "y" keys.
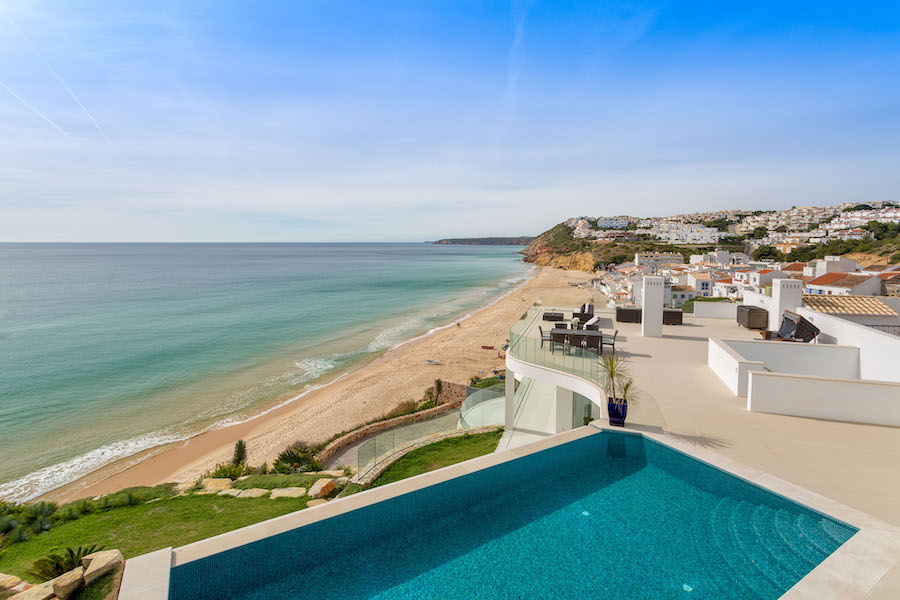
{"x": 440, "y": 454}
{"x": 688, "y": 307}
{"x": 270, "y": 482}
{"x": 143, "y": 528}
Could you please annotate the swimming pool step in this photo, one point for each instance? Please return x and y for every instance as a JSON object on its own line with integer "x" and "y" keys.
{"x": 753, "y": 543}
{"x": 786, "y": 524}
{"x": 729, "y": 518}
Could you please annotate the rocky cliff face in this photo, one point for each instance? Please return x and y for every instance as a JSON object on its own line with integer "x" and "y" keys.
{"x": 557, "y": 248}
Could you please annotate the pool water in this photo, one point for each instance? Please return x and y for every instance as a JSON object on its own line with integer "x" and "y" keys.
{"x": 611, "y": 515}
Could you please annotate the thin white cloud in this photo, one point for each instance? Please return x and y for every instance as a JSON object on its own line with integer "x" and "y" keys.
{"x": 58, "y": 77}
{"x": 33, "y": 109}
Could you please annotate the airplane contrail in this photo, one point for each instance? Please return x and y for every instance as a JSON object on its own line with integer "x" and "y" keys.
{"x": 58, "y": 77}
{"x": 46, "y": 119}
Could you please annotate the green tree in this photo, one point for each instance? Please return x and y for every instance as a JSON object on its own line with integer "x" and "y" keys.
{"x": 766, "y": 253}
{"x": 781, "y": 229}
{"x": 240, "y": 452}
{"x": 759, "y": 232}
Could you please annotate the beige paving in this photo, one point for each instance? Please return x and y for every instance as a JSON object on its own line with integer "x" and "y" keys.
{"x": 853, "y": 463}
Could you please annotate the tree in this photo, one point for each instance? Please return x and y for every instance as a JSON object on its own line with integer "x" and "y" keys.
{"x": 766, "y": 253}
{"x": 858, "y": 207}
{"x": 438, "y": 388}
{"x": 759, "y": 232}
{"x": 240, "y": 452}
{"x": 781, "y": 229}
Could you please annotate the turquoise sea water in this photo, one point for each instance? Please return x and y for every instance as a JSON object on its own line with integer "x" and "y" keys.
{"x": 109, "y": 349}
{"x": 612, "y": 515}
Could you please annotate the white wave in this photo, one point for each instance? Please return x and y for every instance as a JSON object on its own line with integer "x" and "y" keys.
{"x": 49, "y": 478}
{"x": 392, "y": 336}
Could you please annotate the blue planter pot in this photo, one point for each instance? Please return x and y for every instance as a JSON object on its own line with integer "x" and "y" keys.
{"x": 617, "y": 412}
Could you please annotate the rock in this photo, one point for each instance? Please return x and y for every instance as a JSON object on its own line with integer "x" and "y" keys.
{"x": 316, "y": 502}
{"x": 321, "y": 488}
{"x": 67, "y": 584}
{"x": 288, "y": 492}
{"x": 100, "y": 563}
{"x": 332, "y": 473}
{"x": 216, "y": 484}
{"x": 21, "y": 587}
{"x": 43, "y": 591}
{"x": 8, "y": 582}
{"x": 230, "y": 492}
{"x": 253, "y": 493}
{"x": 341, "y": 481}
{"x": 242, "y": 477}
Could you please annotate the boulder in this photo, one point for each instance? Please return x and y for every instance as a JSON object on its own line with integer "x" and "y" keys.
{"x": 332, "y": 473}
{"x": 43, "y": 591}
{"x": 341, "y": 481}
{"x": 99, "y": 564}
{"x": 316, "y": 502}
{"x": 288, "y": 492}
{"x": 8, "y": 582}
{"x": 216, "y": 484}
{"x": 321, "y": 488}
{"x": 230, "y": 492}
{"x": 67, "y": 584}
{"x": 253, "y": 493}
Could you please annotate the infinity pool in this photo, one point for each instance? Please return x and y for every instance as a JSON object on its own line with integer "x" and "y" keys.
{"x": 611, "y": 515}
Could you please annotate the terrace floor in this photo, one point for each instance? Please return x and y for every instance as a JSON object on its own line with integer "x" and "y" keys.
{"x": 852, "y": 463}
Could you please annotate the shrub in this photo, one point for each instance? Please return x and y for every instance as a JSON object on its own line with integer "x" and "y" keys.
{"x": 127, "y": 498}
{"x": 54, "y": 565}
{"x": 406, "y": 407}
{"x": 229, "y": 471}
{"x": 18, "y": 534}
{"x": 41, "y": 524}
{"x": 40, "y": 509}
{"x": 84, "y": 507}
{"x": 240, "y": 452}
{"x": 298, "y": 459}
{"x": 67, "y": 513}
{"x": 8, "y": 523}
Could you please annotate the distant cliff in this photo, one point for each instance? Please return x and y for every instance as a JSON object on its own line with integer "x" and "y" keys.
{"x": 488, "y": 241}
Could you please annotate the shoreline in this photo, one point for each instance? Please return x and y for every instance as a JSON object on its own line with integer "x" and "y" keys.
{"x": 342, "y": 403}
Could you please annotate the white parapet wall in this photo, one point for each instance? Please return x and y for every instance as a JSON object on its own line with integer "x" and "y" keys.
{"x": 731, "y": 367}
{"x": 879, "y": 352}
{"x": 825, "y": 398}
{"x": 733, "y": 361}
{"x": 716, "y": 310}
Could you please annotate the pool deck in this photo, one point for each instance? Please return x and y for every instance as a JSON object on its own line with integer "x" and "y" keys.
{"x": 853, "y": 571}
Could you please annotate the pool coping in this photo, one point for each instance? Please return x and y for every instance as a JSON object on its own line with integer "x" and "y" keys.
{"x": 849, "y": 572}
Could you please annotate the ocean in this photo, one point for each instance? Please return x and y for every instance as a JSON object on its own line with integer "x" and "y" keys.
{"x": 110, "y": 349}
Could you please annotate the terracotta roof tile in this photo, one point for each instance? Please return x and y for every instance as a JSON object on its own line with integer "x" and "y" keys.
{"x": 842, "y": 280}
{"x": 869, "y": 306}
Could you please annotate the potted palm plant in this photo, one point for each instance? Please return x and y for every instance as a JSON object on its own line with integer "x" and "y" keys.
{"x": 620, "y": 387}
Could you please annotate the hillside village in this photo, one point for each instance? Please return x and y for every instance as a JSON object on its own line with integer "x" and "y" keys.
{"x": 747, "y": 252}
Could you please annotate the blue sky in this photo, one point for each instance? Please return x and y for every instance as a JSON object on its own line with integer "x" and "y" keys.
{"x": 382, "y": 121}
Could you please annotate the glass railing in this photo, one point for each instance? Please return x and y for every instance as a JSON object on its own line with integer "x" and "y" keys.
{"x": 483, "y": 407}
{"x": 525, "y": 344}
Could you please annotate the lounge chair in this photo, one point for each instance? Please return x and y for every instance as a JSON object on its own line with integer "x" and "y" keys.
{"x": 795, "y": 328}
{"x": 609, "y": 340}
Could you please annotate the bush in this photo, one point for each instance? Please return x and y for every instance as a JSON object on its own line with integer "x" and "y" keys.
{"x": 54, "y": 565}
{"x": 229, "y": 471}
{"x": 8, "y": 523}
{"x": 68, "y": 513}
{"x": 407, "y": 407}
{"x": 19, "y": 533}
{"x": 299, "y": 458}
{"x": 240, "y": 453}
{"x": 40, "y": 510}
{"x": 41, "y": 524}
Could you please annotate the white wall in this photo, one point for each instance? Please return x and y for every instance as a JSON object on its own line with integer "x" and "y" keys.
{"x": 800, "y": 359}
{"x": 879, "y": 352}
{"x": 752, "y": 298}
{"x": 716, "y": 310}
{"x": 825, "y": 398}
{"x": 730, "y": 367}
{"x": 787, "y": 294}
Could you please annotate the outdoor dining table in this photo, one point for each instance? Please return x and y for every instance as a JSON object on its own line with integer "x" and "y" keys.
{"x": 577, "y": 336}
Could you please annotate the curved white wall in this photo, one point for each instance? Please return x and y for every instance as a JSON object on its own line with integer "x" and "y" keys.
{"x": 592, "y": 391}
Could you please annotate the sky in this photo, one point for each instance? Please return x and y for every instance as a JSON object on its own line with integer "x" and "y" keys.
{"x": 315, "y": 120}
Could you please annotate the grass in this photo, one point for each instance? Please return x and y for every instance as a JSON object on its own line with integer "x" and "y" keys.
{"x": 486, "y": 383}
{"x": 270, "y": 482}
{"x": 136, "y": 530}
{"x": 440, "y": 454}
{"x": 99, "y": 589}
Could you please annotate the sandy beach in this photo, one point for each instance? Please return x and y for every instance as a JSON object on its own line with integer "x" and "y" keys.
{"x": 364, "y": 394}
